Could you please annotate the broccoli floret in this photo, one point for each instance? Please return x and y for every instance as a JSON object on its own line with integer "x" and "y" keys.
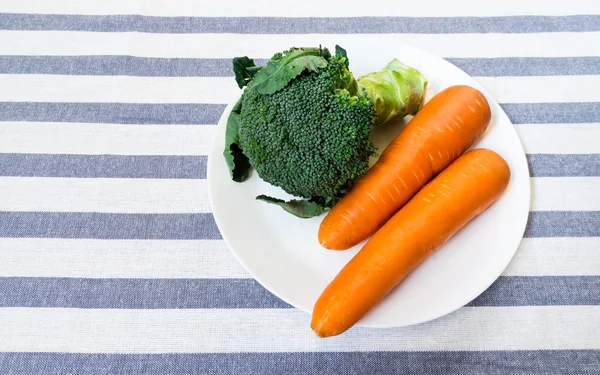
{"x": 303, "y": 122}
{"x": 312, "y": 138}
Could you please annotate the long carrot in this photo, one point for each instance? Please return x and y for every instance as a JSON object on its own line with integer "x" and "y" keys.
{"x": 444, "y": 129}
{"x": 457, "y": 195}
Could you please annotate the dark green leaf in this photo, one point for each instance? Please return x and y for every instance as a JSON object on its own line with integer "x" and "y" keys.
{"x": 279, "y": 72}
{"x": 237, "y": 107}
{"x": 237, "y": 162}
{"x": 300, "y": 207}
{"x": 340, "y": 52}
{"x": 324, "y": 202}
{"x": 244, "y": 69}
{"x": 325, "y": 53}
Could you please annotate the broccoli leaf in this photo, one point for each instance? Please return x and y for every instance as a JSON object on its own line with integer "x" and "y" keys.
{"x": 323, "y": 52}
{"x": 340, "y": 52}
{"x": 282, "y": 69}
{"x": 237, "y": 162}
{"x": 244, "y": 69}
{"x": 299, "y": 207}
{"x": 324, "y": 202}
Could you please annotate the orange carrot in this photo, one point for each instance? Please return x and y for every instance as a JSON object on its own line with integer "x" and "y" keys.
{"x": 440, "y": 132}
{"x": 457, "y": 195}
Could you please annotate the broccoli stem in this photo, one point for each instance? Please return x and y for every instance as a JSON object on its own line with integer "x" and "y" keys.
{"x": 396, "y": 91}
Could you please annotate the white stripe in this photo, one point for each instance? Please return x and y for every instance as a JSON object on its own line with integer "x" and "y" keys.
{"x": 332, "y": 8}
{"x": 287, "y": 330}
{"x": 560, "y": 138}
{"x": 261, "y": 46}
{"x": 32, "y": 257}
{"x": 565, "y": 193}
{"x": 116, "y": 89}
{"x": 98, "y": 139}
{"x": 556, "y": 257}
{"x": 548, "y": 89}
{"x": 104, "y": 195}
{"x": 125, "y": 89}
{"x": 191, "y": 196}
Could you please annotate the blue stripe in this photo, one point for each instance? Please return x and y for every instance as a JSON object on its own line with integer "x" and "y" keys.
{"x": 116, "y": 66}
{"x": 564, "y": 165}
{"x": 188, "y": 167}
{"x": 563, "y": 224}
{"x": 192, "y": 67}
{"x": 199, "y": 226}
{"x": 528, "y": 66}
{"x": 517, "y": 362}
{"x": 202, "y": 226}
{"x": 248, "y": 294}
{"x": 541, "y": 291}
{"x": 188, "y": 113}
{"x": 550, "y": 113}
{"x": 136, "y": 293}
{"x": 117, "y": 113}
{"x": 285, "y": 25}
{"x": 103, "y": 166}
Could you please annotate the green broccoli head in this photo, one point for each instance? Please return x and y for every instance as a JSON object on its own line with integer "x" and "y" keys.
{"x": 312, "y": 137}
{"x": 303, "y": 122}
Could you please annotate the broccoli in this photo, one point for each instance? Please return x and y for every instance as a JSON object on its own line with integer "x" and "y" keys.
{"x": 303, "y": 122}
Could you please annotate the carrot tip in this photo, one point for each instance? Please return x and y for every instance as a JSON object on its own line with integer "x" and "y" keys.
{"x": 331, "y": 245}
{"x": 320, "y": 334}
{"x": 317, "y": 329}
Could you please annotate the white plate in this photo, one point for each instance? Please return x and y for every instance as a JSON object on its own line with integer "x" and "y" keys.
{"x": 282, "y": 252}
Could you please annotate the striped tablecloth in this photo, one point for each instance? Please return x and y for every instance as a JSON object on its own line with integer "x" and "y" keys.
{"x": 110, "y": 260}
